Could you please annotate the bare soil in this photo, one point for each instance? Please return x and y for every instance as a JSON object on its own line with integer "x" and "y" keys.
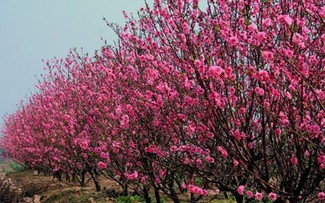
{"x": 50, "y": 190}
{"x": 53, "y": 191}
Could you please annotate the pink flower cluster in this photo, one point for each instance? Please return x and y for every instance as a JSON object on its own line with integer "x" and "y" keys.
{"x": 196, "y": 190}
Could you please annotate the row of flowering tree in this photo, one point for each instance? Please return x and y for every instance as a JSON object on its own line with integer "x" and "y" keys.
{"x": 224, "y": 95}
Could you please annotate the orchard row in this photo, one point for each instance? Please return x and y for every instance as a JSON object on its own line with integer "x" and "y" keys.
{"x": 223, "y": 96}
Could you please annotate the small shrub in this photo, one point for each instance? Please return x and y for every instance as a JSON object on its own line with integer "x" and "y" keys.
{"x": 129, "y": 199}
{"x": 16, "y": 167}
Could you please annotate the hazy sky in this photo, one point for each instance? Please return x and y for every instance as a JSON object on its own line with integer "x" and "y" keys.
{"x": 42, "y": 29}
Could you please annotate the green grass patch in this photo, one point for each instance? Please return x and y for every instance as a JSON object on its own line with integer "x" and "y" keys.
{"x": 130, "y": 199}
{"x": 17, "y": 167}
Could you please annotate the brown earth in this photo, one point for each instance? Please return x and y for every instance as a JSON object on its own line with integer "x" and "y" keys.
{"x": 37, "y": 188}
{"x": 51, "y": 190}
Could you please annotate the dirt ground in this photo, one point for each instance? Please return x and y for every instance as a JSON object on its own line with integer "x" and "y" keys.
{"x": 51, "y": 190}
{"x": 37, "y": 188}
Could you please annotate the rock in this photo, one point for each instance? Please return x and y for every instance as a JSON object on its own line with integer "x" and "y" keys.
{"x": 27, "y": 200}
{"x": 37, "y": 199}
{"x": 35, "y": 173}
{"x": 91, "y": 200}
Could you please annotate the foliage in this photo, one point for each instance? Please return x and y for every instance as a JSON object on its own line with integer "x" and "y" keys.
{"x": 16, "y": 167}
{"x": 129, "y": 199}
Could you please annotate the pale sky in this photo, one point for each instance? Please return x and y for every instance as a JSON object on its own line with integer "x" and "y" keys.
{"x": 32, "y": 30}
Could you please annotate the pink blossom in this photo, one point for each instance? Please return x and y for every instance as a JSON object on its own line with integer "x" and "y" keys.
{"x": 131, "y": 176}
{"x": 242, "y": 110}
{"x": 101, "y": 165}
{"x": 183, "y": 148}
{"x": 104, "y": 155}
{"x": 173, "y": 148}
{"x": 288, "y": 19}
{"x": 118, "y": 110}
{"x": 235, "y": 162}
{"x": 223, "y": 152}
{"x": 259, "y": 91}
{"x": 197, "y": 63}
{"x": 297, "y": 38}
{"x": 267, "y": 55}
{"x": 278, "y": 131}
{"x": 260, "y": 36}
{"x": 272, "y": 196}
{"x": 321, "y": 195}
{"x": 215, "y": 71}
{"x": 210, "y": 135}
{"x": 283, "y": 119}
{"x": 250, "y": 194}
{"x": 185, "y": 28}
{"x": 266, "y": 22}
{"x": 321, "y": 159}
{"x": 196, "y": 190}
{"x": 183, "y": 185}
{"x": 217, "y": 191}
{"x": 322, "y": 12}
{"x": 233, "y": 41}
{"x": 258, "y": 196}
{"x": 84, "y": 144}
{"x": 125, "y": 121}
{"x": 241, "y": 189}
{"x": 162, "y": 173}
{"x": 288, "y": 95}
{"x": 294, "y": 160}
{"x": 157, "y": 180}
{"x": 209, "y": 159}
{"x": 182, "y": 37}
{"x": 263, "y": 75}
{"x": 239, "y": 135}
{"x": 251, "y": 27}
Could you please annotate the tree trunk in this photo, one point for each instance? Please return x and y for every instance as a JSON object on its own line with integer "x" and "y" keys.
{"x": 157, "y": 195}
{"x": 174, "y": 196}
{"x": 280, "y": 200}
{"x": 83, "y": 178}
{"x": 239, "y": 198}
{"x": 173, "y": 193}
{"x": 192, "y": 198}
{"x": 175, "y": 199}
{"x": 146, "y": 194}
{"x": 94, "y": 176}
{"x": 67, "y": 177}
{"x": 125, "y": 189}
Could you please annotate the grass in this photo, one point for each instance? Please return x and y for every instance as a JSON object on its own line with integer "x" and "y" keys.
{"x": 6, "y": 167}
{"x": 16, "y": 167}
{"x": 129, "y": 199}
